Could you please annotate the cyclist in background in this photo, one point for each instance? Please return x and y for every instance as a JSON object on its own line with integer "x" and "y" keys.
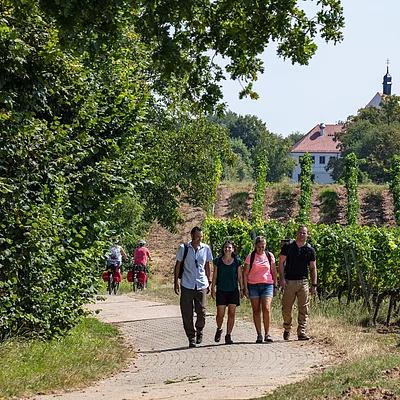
{"x": 117, "y": 253}
{"x": 141, "y": 255}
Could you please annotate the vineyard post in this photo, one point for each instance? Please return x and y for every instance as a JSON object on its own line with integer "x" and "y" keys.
{"x": 361, "y": 279}
{"x": 346, "y": 261}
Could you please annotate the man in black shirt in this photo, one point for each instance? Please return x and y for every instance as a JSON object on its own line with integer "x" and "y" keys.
{"x": 295, "y": 260}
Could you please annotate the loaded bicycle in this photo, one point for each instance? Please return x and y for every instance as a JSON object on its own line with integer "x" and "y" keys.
{"x": 112, "y": 276}
{"x": 138, "y": 276}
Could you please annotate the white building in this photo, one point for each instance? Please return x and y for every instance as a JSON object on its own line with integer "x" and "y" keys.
{"x": 320, "y": 145}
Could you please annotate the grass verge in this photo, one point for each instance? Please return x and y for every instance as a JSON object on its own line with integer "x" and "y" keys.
{"x": 366, "y": 378}
{"x": 91, "y": 351}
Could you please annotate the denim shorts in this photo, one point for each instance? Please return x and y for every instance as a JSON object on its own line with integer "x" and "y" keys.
{"x": 258, "y": 290}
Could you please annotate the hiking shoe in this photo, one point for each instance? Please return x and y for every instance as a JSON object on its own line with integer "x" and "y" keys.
{"x": 199, "y": 337}
{"x": 192, "y": 343}
{"x": 217, "y": 336}
{"x": 303, "y": 337}
{"x": 259, "y": 338}
{"x": 228, "y": 339}
{"x": 268, "y": 338}
{"x": 286, "y": 335}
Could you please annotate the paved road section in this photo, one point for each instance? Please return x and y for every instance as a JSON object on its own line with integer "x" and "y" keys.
{"x": 165, "y": 368}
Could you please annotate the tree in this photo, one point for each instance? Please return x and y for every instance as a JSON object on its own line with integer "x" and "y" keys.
{"x": 253, "y": 133}
{"x": 181, "y": 34}
{"x": 242, "y": 168}
{"x": 295, "y": 137}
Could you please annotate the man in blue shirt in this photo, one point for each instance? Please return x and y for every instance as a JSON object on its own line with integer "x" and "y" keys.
{"x": 195, "y": 283}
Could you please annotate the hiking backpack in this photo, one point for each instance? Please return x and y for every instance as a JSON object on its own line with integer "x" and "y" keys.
{"x": 183, "y": 260}
{"x": 252, "y": 256}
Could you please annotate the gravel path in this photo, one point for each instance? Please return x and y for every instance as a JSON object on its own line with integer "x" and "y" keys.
{"x": 165, "y": 368}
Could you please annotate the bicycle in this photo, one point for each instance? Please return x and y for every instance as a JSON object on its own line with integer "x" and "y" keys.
{"x": 114, "y": 278}
{"x": 138, "y": 277}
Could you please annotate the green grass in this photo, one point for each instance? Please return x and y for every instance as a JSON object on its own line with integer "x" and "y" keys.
{"x": 329, "y": 198}
{"x": 91, "y": 351}
{"x": 366, "y": 372}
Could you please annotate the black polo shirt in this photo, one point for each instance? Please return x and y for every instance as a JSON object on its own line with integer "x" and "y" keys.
{"x": 297, "y": 260}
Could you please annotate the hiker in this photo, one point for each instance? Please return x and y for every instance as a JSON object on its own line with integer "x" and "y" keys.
{"x": 195, "y": 284}
{"x": 226, "y": 276}
{"x": 295, "y": 259}
{"x": 260, "y": 285}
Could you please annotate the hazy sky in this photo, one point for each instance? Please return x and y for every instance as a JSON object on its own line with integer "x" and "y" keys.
{"x": 338, "y": 80}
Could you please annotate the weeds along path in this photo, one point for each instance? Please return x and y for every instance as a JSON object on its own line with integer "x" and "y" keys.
{"x": 165, "y": 368}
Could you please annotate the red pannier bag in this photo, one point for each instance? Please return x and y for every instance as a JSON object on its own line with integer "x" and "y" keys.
{"x": 104, "y": 276}
{"x": 142, "y": 277}
{"x": 117, "y": 276}
{"x": 130, "y": 276}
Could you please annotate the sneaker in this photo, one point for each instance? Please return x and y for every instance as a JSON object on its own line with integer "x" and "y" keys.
{"x": 228, "y": 339}
{"x": 303, "y": 337}
{"x": 259, "y": 338}
{"x": 217, "y": 336}
{"x": 286, "y": 335}
{"x": 199, "y": 337}
{"x": 268, "y": 338}
{"x": 192, "y": 343}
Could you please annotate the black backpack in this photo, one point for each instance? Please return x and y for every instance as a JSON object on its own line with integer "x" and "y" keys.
{"x": 253, "y": 254}
{"x": 183, "y": 260}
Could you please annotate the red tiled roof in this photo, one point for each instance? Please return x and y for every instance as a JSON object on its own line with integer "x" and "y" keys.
{"x": 313, "y": 142}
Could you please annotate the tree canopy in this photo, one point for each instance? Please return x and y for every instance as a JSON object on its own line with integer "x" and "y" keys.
{"x": 373, "y": 135}
{"x": 252, "y": 133}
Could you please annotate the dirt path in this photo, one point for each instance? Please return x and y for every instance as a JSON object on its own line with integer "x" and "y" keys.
{"x": 165, "y": 368}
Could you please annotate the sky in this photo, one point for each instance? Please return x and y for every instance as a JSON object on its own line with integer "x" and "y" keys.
{"x": 339, "y": 79}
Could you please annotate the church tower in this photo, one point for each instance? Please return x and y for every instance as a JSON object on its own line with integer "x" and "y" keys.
{"x": 387, "y": 83}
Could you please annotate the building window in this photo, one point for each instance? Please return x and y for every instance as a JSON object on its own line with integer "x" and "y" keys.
{"x": 313, "y": 159}
{"x": 322, "y": 159}
{"x": 332, "y": 158}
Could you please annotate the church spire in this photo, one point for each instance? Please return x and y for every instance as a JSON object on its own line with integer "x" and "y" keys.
{"x": 387, "y": 81}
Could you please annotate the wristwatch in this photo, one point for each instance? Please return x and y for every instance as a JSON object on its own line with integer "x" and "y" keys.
{"x": 314, "y": 285}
